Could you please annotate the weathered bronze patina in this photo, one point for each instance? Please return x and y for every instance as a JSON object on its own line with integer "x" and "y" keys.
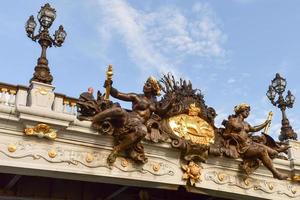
{"x": 130, "y": 127}
{"x": 189, "y": 123}
{"x": 46, "y": 16}
{"x": 238, "y": 142}
{"x": 181, "y": 118}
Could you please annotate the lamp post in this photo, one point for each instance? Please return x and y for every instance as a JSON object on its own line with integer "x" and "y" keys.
{"x": 278, "y": 86}
{"x": 46, "y": 16}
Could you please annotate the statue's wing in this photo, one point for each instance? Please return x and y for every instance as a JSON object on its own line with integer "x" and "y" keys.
{"x": 270, "y": 142}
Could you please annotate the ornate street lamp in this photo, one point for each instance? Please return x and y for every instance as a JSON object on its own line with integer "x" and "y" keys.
{"x": 278, "y": 86}
{"x": 46, "y": 16}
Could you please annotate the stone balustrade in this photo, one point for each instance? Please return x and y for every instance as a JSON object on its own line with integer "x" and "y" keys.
{"x": 70, "y": 106}
{"x": 7, "y": 95}
{"x": 11, "y": 95}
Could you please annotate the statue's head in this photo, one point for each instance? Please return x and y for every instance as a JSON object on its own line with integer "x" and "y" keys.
{"x": 152, "y": 86}
{"x": 242, "y": 108}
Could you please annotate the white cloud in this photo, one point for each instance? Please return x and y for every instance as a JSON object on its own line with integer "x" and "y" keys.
{"x": 159, "y": 40}
{"x": 231, "y": 80}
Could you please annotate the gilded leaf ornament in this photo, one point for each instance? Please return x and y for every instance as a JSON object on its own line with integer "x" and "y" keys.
{"x": 41, "y": 131}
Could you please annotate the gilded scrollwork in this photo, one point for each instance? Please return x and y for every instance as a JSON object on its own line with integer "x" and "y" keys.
{"x": 247, "y": 183}
{"x": 41, "y": 131}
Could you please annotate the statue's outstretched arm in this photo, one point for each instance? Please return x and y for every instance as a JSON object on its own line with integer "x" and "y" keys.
{"x": 259, "y": 127}
{"x": 122, "y": 96}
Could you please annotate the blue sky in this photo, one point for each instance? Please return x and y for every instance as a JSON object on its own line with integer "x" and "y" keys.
{"x": 230, "y": 49}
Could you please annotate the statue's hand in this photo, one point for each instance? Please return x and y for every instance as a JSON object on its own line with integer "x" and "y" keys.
{"x": 107, "y": 83}
{"x": 266, "y": 123}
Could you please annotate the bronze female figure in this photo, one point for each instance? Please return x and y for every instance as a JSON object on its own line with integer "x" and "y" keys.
{"x": 238, "y": 132}
{"x": 129, "y": 126}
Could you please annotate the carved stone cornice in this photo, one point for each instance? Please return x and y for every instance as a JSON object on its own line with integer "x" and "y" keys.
{"x": 89, "y": 159}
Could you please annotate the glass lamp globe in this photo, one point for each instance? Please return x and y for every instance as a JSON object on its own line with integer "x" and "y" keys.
{"x": 46, "y": 16}
{"x": 271, "y": 93}
{"x": 30, "y": 25}
{"x": 279, "y": 83}
{"x": 290, "y": 99}
{"x": 60, "y": 35}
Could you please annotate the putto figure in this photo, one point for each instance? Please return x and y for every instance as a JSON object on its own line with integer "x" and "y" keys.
{"x": 130, "y": 126}
{"x": 237, "y": 134}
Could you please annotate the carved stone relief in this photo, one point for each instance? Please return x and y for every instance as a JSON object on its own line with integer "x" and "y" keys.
{"x": 269, "y": 187}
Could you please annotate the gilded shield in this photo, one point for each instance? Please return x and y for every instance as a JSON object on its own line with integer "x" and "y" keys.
{"x": 192, "y": 127}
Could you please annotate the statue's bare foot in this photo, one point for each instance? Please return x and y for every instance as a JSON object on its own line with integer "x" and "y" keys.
{"x": 281, "y": 176}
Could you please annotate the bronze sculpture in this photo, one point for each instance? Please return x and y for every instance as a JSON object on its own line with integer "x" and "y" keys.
{"x": 182, "y": 118}
{"x": 239, "y": 143}
{"x": 130, "y": 126}
{"x": 154, "y": 120}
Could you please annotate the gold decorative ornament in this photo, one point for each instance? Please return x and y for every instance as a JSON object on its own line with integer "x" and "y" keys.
{"x": 4, "y": 89}
{"x": 52, "y": 153}
{"x": 221, "y": 177}
{"x": 89, "y": 158}
{"x": 11, "y": 148}
{"x": 192, "y": 127}
{"x": 43, "y": 91}
{"x": 246, "y": 181}
{"x": 296, "y": 178}
{"x": 270, "y": 116}
{"x": 270, "y": 185}
{"x": 124, "y": 162}
{"x": 109, "y": 74}
{"x": 154, "y": 84}
{"x": 41, "y": 131}
{"x": 294, "y": 190}
{"x": 192, "y": 173}
{"x": 13, "y": 92}
{"x": 156, "y": 167}
{"x": 241, "y": 107}
{"x": 194, "y": 110}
